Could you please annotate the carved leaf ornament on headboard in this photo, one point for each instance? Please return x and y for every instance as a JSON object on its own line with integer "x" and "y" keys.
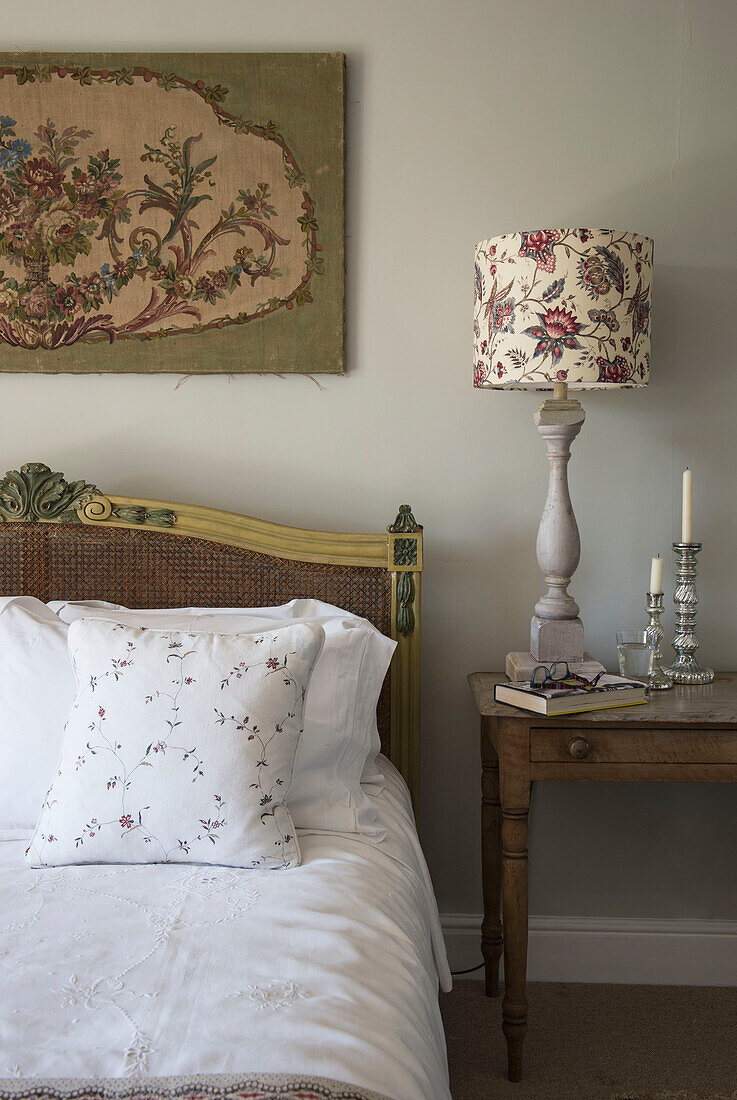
{"x": 404, "y": 554}
{"x": 36, "y": 492}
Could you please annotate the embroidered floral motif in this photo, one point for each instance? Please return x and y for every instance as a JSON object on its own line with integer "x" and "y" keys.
{"x": 118, "y": 665}
{"x": 208, "y": 881}
{"x": 162, "y": 923}
{"x": 104, "y": 993}
{"x": 60, "y": 195}
{"x": 137, "y": 1055}
{"x": 123, "y": 777}
{"x": 274, "y": 995}
{"x": 76, "y": 993}
{"x": 116, "y": 992}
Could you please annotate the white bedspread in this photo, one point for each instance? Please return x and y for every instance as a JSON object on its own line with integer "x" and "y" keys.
{"x": 325, "y": 969}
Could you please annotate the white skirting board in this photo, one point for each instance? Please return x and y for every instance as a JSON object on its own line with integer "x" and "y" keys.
{"x": 639, "y": 951}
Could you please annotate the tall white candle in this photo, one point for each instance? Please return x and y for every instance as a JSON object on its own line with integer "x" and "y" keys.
{"x": 686, "y": 512}
{"x": 656, "y": 575}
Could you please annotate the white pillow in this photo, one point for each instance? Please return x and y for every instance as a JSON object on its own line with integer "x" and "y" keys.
{"x": 36, "y": 691}
{"x": 338, "y": 748}
{"x": 179, "y": 747}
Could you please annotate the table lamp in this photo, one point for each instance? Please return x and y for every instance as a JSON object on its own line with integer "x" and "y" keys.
{"x": 560, "y": 310}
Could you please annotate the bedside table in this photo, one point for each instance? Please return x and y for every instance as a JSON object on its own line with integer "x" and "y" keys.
{"x": 686, "y": 735}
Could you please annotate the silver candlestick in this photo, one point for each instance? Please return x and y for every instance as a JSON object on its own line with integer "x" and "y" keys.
{"x": 659, "y": 680}
{"x": 686, "y": 669}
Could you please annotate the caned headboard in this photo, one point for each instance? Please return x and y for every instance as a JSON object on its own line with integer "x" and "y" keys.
{"x": 67, "y": 540}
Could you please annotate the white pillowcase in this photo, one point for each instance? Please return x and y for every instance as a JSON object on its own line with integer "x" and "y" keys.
{"x": 36, "y": 692}
{"x": 340, "y": 743}
{"x": 179, "y": 747}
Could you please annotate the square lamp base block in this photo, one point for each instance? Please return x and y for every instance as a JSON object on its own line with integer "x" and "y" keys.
{"x": 556, "y": 640}
{"x": 519, "y": 666}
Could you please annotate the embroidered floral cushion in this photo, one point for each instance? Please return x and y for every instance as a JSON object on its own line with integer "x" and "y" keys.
{"x": 179, "y": 747}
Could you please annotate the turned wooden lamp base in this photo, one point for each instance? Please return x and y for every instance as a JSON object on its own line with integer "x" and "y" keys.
{"x": 556, "y": 639}
{"x": 556, "y": 632}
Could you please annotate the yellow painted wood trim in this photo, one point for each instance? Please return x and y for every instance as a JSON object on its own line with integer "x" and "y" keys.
{"x": 234, "y": 529}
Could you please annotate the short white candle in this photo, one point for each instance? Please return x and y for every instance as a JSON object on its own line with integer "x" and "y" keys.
{"x": 686, "y": 512}
{"x": 656, "y": 575}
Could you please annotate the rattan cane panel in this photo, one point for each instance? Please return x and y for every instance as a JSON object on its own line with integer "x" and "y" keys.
{"x": 145, "y": 568}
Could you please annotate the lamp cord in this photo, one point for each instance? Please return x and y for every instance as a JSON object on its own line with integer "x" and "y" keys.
{"x": 471, "y": 970}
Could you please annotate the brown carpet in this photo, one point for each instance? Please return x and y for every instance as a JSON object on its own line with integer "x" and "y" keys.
{"x": 597, "y": 1042}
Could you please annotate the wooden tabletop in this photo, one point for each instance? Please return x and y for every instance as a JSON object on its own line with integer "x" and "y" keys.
{"x": 712, "y": 704}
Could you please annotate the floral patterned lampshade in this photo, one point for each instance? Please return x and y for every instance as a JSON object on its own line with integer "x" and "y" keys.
{"x": 563, "y": 305}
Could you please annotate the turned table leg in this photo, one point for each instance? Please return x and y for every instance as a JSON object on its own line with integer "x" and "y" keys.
{"x": 514, "y": 891}
{"x": 515, "y": 800}
{"x": 491, "y": 847}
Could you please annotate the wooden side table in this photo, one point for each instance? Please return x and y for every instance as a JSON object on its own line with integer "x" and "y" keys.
{"x": 686, "y": 735}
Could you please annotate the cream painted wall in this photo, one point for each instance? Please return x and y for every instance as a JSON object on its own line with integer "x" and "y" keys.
{"x": 467, "y": 119}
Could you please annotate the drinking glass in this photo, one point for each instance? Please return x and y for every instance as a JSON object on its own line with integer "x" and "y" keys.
{"x": 636, "y": 649}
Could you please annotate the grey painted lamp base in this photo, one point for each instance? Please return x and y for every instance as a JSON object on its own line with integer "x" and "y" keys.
{"x": 556, "y": 631}
{"x": 556, "y": 640}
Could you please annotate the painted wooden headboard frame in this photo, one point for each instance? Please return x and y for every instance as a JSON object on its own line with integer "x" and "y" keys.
{"x": 37, "y": 494}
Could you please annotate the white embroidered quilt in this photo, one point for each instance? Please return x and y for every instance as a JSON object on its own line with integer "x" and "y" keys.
{"x": 326, "y": 969}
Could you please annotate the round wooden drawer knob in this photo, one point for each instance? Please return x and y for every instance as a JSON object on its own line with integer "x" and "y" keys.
{"x": 579, "y": 748}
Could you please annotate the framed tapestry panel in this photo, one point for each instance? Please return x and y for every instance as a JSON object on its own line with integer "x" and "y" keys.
{"x": 172, "y": 212}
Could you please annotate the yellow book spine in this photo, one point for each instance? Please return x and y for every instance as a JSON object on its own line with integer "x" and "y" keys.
{"x": 607, "y": 706}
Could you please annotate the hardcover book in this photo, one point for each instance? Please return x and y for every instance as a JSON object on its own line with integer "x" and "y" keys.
{"x": 611, "y": 691}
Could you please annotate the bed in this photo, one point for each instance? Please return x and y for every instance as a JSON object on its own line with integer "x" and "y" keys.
{"x": 173, "y": 980}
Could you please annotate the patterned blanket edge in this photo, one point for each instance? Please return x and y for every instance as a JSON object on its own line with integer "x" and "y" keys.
{"x": 261, "y": 1086}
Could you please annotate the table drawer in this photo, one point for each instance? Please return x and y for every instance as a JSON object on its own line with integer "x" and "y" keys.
{"x": 551, "y": 744}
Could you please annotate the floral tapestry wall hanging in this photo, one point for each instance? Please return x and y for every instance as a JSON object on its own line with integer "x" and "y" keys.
{"x": 172, "y": 212}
